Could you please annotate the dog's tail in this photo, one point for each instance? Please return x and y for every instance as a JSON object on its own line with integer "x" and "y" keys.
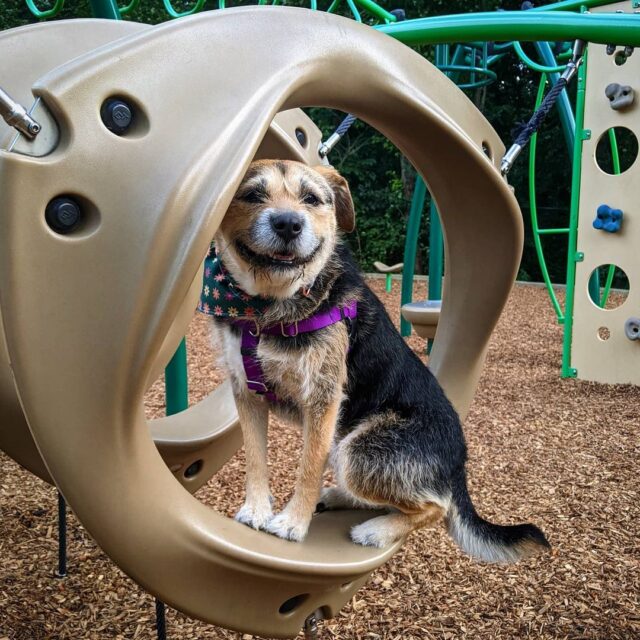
{"x": 482, "y": 539}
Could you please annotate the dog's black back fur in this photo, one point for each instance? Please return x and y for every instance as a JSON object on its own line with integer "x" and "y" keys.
{"x": 386, "y": 376}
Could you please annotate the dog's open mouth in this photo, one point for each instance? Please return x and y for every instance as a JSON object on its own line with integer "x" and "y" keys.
{"x": 277, "y": 260}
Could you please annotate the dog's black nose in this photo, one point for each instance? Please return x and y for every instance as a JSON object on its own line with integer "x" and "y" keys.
{"x": 287, "y": 225}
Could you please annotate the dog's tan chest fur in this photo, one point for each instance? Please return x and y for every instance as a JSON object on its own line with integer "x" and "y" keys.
{"x": 303, "y": 377}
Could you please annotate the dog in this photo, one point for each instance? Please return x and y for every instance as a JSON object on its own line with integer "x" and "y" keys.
{"x": 364, "y": 400}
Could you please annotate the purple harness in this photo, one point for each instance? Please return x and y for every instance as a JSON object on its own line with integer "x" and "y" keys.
{"x": 251, "y": 338}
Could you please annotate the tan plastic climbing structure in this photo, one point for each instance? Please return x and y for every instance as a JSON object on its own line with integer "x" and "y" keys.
{"x": 85, "y": 315}
{"x": 601, "y": 349}
{"x": 208, "y": 433}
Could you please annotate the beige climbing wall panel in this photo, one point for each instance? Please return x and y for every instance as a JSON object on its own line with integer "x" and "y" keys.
{"x": 615, "y": 359}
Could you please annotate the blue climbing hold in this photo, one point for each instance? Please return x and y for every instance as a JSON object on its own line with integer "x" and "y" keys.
{"x": 608, "y": 219}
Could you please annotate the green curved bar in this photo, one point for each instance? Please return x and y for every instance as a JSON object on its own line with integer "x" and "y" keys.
{"x": 615, "y": 156}
{"x": 601, "y": 28}
{"x": 177, "y": 14}
{"x": 376, "y": 10}
{"x": 533, "y": 205}
{"x": 411, "y": 248}
{"x": 129, "y": 8}
{"x": 490, "y": 75}
{"x": 354, "y": 11}
{"x": 572, "y": 5}
{"x": 532, "y": 64}
{"x": 48, "y": 13}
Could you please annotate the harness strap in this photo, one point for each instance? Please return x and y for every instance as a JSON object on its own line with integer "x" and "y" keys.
{"x": 251, "y": 339}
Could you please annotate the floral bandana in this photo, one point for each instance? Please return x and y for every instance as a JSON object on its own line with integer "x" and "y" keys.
{"x": 222, "y": 297}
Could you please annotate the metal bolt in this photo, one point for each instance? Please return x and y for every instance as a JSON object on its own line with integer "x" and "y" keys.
{"x": 116, "y": 115}
{"x": 63, "y": 214}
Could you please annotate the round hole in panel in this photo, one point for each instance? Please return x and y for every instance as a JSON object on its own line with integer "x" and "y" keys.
{"x": 613, "y": 286}
{"x": 620, "y": 58}
{"x": 617, "y": 150}
{"x": 290, "y": 605}
{"x": 603, "y": 334}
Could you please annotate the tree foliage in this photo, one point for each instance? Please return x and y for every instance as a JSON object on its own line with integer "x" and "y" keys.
{"x": 381, "y": 179}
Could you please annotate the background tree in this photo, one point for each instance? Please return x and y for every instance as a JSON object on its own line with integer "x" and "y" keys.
{"x": 381, "y": 179}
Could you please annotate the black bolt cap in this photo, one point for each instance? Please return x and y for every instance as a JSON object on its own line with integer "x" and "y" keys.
{"x": 63, "y": 214}
{"x": 116, "y": 115}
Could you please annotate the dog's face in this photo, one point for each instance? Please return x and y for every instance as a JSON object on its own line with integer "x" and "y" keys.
{"x": 282, "y": 226}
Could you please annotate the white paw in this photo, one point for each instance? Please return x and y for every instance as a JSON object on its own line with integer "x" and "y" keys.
{"x": 285, "y": 526}
{"x": 374, "y": 533}
{"x": 255, "y": 516}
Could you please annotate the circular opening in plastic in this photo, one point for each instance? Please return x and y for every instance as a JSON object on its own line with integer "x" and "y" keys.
{"x": 617, "y": 150}
{"x": 612, "y": 289}
{"x": 290, "y": 605}
{"x": 193, "y": 469}
{"x": 301, "y": 137}
{"x": 603, "y": 334}
{"x": 620, "y": 58}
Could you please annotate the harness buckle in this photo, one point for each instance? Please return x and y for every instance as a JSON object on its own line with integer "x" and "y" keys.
{"x": 348, "y": 322}
{"x": 262, "y": 384}
{"x": 289, "y": 335}
{"x": 257, "y": 333}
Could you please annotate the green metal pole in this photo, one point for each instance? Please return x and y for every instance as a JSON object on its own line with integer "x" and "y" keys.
{"x": 436, "y": 255}
{"x": 175, "y": 381}
{"x": 411, "y": 248}
{"x": 594, "y": 286}
{"x": 436, "y": 259}
{"x": 105, "y": 9}
{"x": 567, "y": 370}
{"x": 601, "y": 28}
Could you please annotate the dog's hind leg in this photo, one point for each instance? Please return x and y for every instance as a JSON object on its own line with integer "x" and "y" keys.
{"x": 385, "y": 530}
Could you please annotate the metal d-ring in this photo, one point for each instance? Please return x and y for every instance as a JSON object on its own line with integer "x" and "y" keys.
{"x": 289, "y": 335}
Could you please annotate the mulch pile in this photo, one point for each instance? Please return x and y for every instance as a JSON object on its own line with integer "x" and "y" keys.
{"x": 561, "y": 453}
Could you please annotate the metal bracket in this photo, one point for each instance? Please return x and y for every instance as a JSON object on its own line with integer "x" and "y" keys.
{"x": 48, "y": 136}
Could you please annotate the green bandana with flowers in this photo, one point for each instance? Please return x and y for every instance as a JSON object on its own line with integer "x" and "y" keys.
{"x": 222, "y": 297}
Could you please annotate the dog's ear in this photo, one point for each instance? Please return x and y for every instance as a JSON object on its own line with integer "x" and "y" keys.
{"x": 345, "y": 213}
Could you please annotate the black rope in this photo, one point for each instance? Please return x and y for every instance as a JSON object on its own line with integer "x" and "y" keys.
{"x": 536, "y": 120}
{"x": 62, "y": 537}
{"x": 161, "y": 622}
{"x": 344, "y": 126}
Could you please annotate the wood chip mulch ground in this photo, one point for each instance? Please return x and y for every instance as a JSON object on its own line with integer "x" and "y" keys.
{"x": 561, "y": 453}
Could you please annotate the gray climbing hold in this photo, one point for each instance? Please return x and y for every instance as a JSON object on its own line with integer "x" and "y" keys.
{"x": 632, "y": 328}
{"x": 621, "y": 96}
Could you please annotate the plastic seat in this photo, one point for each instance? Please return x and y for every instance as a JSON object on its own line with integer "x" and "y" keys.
{"x": 423, "y": 316}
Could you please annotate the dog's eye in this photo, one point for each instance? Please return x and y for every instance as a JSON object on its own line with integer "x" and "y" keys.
{"x": 311, "y": 199}
{"x": 255, "y": 196}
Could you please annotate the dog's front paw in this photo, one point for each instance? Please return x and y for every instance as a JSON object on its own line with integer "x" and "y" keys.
{"x": 374, "y": 533}
{"x": 255, "y": 516}
{"x": 288, "y": 527}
